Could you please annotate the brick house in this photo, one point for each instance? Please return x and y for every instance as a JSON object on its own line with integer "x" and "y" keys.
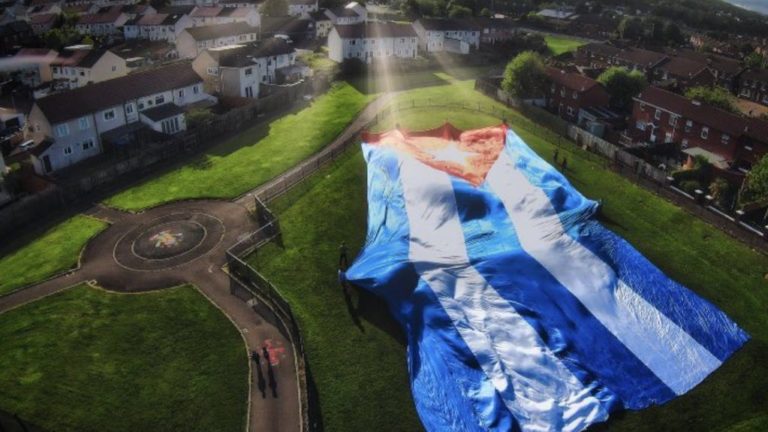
{"x": 679, "y": 73}
{"x": 570, "y": 92}
{"x": 728, "y": 141}
{"x": 753, "y": 85}
{"x": 725, "y": 69}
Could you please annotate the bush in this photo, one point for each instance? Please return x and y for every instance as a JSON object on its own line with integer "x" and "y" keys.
{"x": 690, "y": 186}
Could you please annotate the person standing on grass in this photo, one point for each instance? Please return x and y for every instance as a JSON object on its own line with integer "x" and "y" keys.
{"x": 343, "y": 262}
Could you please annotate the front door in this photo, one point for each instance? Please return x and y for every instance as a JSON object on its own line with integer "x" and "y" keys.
{"x": 47, "y": 164}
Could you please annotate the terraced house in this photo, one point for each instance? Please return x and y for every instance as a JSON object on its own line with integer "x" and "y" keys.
{"x": 73, "y": 126}
{"x": 373, "y": 40}
{"x": 194, "y": 40}
{"x": 83, "y": 65}
{"x": 157, "y": 27}
{"x": 451, "y": 35}
{"x": 105, "y": 22}
{"x": 240, "y": 70}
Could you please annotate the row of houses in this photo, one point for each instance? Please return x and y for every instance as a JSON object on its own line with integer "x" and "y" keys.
{"x": 679, "y": 70}
{"x": 659, "y": 117}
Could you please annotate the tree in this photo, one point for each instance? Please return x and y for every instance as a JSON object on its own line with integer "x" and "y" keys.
{"x": 458, "y": 11}
{"x": 756, "y": 184}
{"x": 630, "y": 28}
{"x": 720, "y": 191}
{"x": 622, "y": 85}
{"x": 673, "y": 34}
{"x": 754, "y": 60}
{"x": 485, "y": 12}
{"x": 275, "y": 8}
{"x": 58, "y": 38}
{"x": 657, "y": 29}
{"x": 524, "y": 76}
{"x": 715, "y": 96}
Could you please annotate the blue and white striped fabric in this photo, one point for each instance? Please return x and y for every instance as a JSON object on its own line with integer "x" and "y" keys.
{"x": 521, "y": 311}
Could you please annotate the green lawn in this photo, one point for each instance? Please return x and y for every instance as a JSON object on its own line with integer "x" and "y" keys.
{"x": 90, "y": 360}
{"x": 561, "y": 44}
{"x": 55, "y": 251}
{"x": 344, "y": 361}
{"x": 252, "y": 157}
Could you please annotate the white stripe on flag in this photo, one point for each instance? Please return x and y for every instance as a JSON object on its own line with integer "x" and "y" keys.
{"x": 671, "y": 353}
{"x": 536, "y": 387}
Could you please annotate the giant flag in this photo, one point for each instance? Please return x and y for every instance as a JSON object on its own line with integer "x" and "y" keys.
{"x": 521, "y": 311}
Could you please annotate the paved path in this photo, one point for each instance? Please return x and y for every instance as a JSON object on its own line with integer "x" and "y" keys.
{"x": 270, "y": 409}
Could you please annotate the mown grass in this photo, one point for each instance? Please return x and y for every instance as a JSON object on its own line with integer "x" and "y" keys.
{"x": 90, "y": 360}
{"x": 55, "y": 251}
{"x": 346, "y": 362}
{"x": 562, "y": 44}
{"x": 252, "y": 157}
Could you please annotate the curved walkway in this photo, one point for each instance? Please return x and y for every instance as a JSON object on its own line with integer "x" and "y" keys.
{"x": 104, "y": 261}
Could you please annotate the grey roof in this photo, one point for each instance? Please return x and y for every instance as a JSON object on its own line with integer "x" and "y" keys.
{"x": 95, "y": 97}
{"x": 220, "y": 30}
{"x": 162, "y": 112}
{"x": 448, "y": 24}
{"x": 245, "y": 55}
{"x": 375, "y": 30}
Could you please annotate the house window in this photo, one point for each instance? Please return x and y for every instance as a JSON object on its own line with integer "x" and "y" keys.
{"x": 67, "y": 150}
{"x": 84, "y": 123}
{"x": 657, "y": 114}
{"x": 570, "y": 111}
{"x": 114, "y": 68}
{"x": 688, "y": 125}
{"x": 195, "y": 90}
{"x": 249, "y": 71}
{"x": 87, "y": 145}
{"x": 685, "y": 143}
{"x": 640, "y": 125}
{"x": 725, "y": 139}
{"x": 704, "y": 132}
{"x": 109, "y": 115}
{"x": 562, "y": 92}
{"x": 575, "y": 95}
{"x": 181, "y": 93}
{"x": 159, "y": 100}
{"x": 673, "y": 120}
{"x": 213, "y": 70}
{"x": 129, "y": 108}
{"x": 62, "y": 130}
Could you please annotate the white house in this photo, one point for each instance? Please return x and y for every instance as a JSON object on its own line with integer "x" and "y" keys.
{"x": 195, "y": 40}
{"x": 352, "y": 13}
{"x": 70, "y": 127}
{"x": 452, "y": 35}
{"x": 5, "y": 194}
{"x": 372, "y": 40}
{"x": 239, "y": 70}
{"x": 104, "y": 22}
{"x": 82, "y": 65}
{"x": 302, "y": 8}
{"x": 159, "y": 26}
{"x": 212, "y": 15}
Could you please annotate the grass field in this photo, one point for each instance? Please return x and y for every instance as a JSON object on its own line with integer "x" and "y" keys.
{"x": 90, "y": 360}
{"x": 55, "y": 251}
{"x": 562, "y": 44}
{"x": 344, "y": 361}
{"x": 252, "y": 157}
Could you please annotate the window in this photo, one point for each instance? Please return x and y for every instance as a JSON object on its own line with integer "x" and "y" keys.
{"x": 84, "y": 123}
{"x": 213, "y": 70}
{"x": 673, "y": 120}
{"x": 67, "y": 150}
{"x": 249, "y": 71}
{"x": 141, "y": 106}
{"x": 553, "y": 88}
{"x": 640, "y": 125}
{"x": 704, "y": 132}
{"x": 109, "y": 115}
{"x": 685, "y": 143}
{"x": 181, "y": 93}
{"x": 575, "y": 95}
{"x": 570, "y": 111}
{"x": 87, "y": 145}
{"x": 725, "y": 139}
{"x": 159, "y": 100}
{"x": 62, "y": 130}
{"x": 562, "y": 92}
{"x": 195, "y": 90}
{"x": 129, "y": 108}
{"x": 657, "y": 114}
{"x": 688, "y": 125}
{"x": 114, "y": 68}
{"x": 82, "y": 73}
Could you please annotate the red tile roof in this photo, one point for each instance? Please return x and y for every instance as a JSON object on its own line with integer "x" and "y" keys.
{"x": 641, "y": 56}
{"x": 571, "y": 80}
{"x": 682, "y": 67}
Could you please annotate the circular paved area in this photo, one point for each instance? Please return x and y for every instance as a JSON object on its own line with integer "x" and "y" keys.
{"x": 168, "y": 241}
